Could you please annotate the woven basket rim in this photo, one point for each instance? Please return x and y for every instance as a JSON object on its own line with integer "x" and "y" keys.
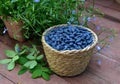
{"x": 70, "y": 51}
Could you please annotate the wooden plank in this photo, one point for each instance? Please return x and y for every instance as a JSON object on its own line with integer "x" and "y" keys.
{"x": 109, "y": 13}
{"x": 111, "y": 4}
{"x": 4, "y": 80}
{"x": 106, "y": 23}
{"x": 108, "y": 69}
{"x": 26, "y": 78}
{"x": 110, "y": 9}
{"x": 87, "y": 78}
{"x": 108, "y": 4}
{"x": 113, "y": 50}
{"x": 5, "y": 39}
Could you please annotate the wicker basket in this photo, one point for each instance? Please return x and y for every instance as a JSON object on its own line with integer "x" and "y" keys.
{"x": 68, "y": 62}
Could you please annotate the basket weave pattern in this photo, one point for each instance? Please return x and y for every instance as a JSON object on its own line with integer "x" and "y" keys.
{"x": 69, "y": 62}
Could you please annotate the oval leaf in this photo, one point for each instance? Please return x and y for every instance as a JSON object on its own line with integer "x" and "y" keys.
{"x": 30, "y": 64}
{"x": 40, "y": 57}
{"x": 47, "y": 70}
{"x": 22, "y": 71}
{"x": 5, "y": 61}
{"x": 15, "y": 58}
{"x": 11, "y": 65}
{"x": 30, "y": 57}
{"x": 45, "y": 76}
{"x": 33, "y": 64}
{"x": 37, "y": 73}
{"x": 22, "y": 60}
{"x": 10, "y": 53}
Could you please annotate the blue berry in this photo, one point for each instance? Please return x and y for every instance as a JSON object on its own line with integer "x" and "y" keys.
{"x": 69, "y": 38}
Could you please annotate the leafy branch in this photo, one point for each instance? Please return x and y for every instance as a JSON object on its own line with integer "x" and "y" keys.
{"x": 30, "y": 59}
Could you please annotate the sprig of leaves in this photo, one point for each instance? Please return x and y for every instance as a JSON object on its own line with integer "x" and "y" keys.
{"x": 13, "y": 56}
{"x": 30, "y": 60}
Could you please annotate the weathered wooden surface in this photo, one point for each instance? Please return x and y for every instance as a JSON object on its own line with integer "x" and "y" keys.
{"x": 106, "y": 73}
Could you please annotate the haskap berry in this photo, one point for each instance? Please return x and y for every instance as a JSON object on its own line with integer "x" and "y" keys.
{"x": 69, "y": 38}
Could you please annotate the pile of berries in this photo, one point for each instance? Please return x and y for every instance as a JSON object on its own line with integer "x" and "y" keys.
{"x": 69, "y": 38}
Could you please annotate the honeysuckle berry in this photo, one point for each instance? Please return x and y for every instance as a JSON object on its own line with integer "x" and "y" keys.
{"x": 69, "y": 38}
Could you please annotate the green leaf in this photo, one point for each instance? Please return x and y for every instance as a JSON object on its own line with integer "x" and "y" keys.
{"x": 5, "y": 61}
{"x": 37, "y": 73}
{"x": 43, "y": 63}
{"x": 30, "y": 57}
{"x": 47, "y": 70}
{"x": 30, "y": 64}
{"x": 40, "y": 57}
{"x": 45, "y": 76}
{"x": 17, "y": 48}
{"x": 23, "y": 70}
{"x": 11, "y": 65}
{"x": 15, "y": 58}
{"x": 10, "y": 53}
{"x": 22, "y": 60}
{"x": 38, "y": 66}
